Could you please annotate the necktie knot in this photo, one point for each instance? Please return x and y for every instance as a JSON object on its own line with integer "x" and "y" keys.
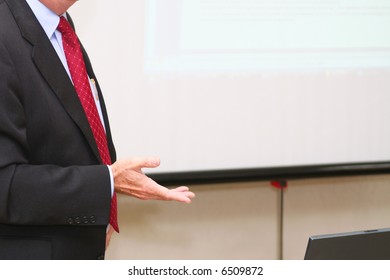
{"x": 64, "y": 26}
{"x": 68, "y": 34}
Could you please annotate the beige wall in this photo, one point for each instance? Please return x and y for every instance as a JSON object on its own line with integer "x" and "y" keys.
{"x": 334, "y": 205}
{"x": 241, "y": 220}
{"x": 227, "y": 221}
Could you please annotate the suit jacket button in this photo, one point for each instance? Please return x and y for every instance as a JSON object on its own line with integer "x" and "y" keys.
{"x": 70, "y": 221}
{"x": 92, "y": 219}
{"x": 77, "y": 220}
{"x": 85, "y": 220}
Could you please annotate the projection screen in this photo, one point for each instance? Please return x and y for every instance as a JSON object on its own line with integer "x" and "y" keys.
{"x": 231, "y": 84}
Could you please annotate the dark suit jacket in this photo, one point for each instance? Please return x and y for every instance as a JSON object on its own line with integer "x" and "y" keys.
{"x": 54, "y": 192}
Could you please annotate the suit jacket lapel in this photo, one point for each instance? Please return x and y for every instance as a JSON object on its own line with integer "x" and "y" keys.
{"x": 51, "y": 68}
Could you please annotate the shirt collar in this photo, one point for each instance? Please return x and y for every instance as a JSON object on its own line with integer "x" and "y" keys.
{"x": 46, "y": 17}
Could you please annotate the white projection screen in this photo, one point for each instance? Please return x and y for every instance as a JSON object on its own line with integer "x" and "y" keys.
{"x": 231, "y": 84}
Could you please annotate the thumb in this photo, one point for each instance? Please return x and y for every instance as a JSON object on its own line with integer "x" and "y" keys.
{"x": 149, "y": 162}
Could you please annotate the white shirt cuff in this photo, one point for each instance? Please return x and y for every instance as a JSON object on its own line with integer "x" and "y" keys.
{"x": 111, "y": 180}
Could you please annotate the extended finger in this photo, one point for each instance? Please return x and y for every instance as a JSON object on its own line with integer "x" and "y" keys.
{"x": 181, "y": 189}
{"x": 184, "y": 190}
{"x": 180, "y": 196}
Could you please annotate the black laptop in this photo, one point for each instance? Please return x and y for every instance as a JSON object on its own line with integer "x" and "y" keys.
{"x": 357, "y": 245}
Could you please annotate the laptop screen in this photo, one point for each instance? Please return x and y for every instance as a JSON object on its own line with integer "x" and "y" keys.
{"x": 357, "y": 245}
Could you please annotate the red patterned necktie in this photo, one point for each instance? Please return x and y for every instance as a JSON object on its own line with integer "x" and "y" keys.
{"x": 82, "y": 86}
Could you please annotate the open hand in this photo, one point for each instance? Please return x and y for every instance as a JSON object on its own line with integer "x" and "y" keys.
{"x": 129, "y": 179}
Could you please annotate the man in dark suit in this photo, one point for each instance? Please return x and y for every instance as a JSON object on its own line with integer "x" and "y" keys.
{"x": 55, "y": 191}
